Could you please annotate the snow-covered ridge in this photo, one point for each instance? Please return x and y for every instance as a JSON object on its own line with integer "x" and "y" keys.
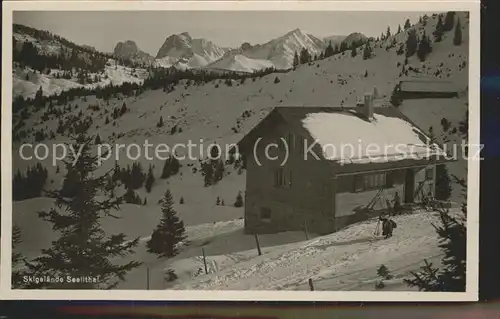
{"x": 277, "y": 53}
{"x": 194, "y": 52}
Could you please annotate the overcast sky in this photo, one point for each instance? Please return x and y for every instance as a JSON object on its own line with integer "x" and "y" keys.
{"x": 149, "y": 29}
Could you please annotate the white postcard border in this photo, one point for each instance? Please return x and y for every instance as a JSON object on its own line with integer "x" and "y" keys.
{"x": 471, "y": 293}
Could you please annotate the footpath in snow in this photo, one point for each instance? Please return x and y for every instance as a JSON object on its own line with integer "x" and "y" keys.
{"x": 346, "y": 260}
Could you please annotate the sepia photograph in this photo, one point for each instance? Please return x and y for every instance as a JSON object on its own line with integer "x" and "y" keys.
{"x": 292, "y": 153}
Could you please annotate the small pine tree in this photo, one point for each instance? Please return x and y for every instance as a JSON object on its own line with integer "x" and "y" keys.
{"x": 388, "y": 32}
{"x": 305, "y": 56}
{"x": 169, "y": 232}
{"x": 411, "y": 43}
{"x": 160, "y": 122}
{"x": 83, "y": 248}
{"x": 457, "y": 39}
{"x": 383, "y": 272}
{"x": 424, "y": 48}
{"x": 97, "y": 140}
{"x": 449, "y": 21}
{"x": 438, "y": 32}
{"x": 17, "y": 258}
{"x": 329, "y": 51}
{"x": 399, "y": 28}
{"x": 181, "y": 201}
{"x": 239, "y": 200}
{"x": 453, "y": 242}
{"x": 407, "y": 24}
{"x": 217, "y": 202}
{"x": 276, "y": 80}
{"x": 150, "y": 179}
{"x": 145, "y": 201}
{"x": 395, "y": 96}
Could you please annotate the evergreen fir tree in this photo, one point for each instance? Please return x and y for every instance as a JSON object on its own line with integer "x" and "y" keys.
{"x": 145, "y": 201}
{"x": 438, "y": 32}
{"x": 424, "y": 48}
{"x": 388, "y": 32}
{"x": 150, "y": 179}
{"x": 169, "y": 232}
{"x": 384, "y": 272}
{"x": 170, "y": 168}
{"x": 137, "y": 177}
{"x": 239, "y": 200}
{"x": 395, "y": 97}
{"x": 329, "y": 51}
{"x": 181, "y": 201}
{"x": 130, "y": 197}
{"x": 457, "y": 38}
{"x": 97, "y": 140}
{"x": 83, "y": 249}
{"x": 453, "y": 242}
{"x": 305, "y": 56}
{"x": 217, "y": 202}
{"x": 449, "y": 21}
{"x": 17, "y": 258}
{"x": 295, "y": 60}
{"x": 407, "y": 24}
{"x": 160, "y": 122}
{"x": 399, "y": 28}
{"x": 411, "y": 43}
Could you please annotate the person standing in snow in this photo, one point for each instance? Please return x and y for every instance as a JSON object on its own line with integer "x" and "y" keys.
{"x": 388, "y": 226}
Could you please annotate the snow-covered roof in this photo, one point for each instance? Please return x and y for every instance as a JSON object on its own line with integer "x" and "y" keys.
{"x": 422, "y": 86}
{"x": 345, "y": 137}
{"x": 348, "y": 139}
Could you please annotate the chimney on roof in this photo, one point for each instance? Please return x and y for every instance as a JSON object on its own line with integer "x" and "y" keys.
{"x": 366, "y": 107}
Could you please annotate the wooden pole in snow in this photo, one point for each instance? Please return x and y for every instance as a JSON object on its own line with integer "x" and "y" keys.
{"x": 147, "y": 278}
{"x": 305, "y": 231}
{"x": 258, "y": 244}
{"x": 311, "y": 285}
{"x": 204, "y": 260}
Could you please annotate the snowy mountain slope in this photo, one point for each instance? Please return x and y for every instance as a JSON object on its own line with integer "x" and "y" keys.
{"x": 26, "y": 81}
{"x": 279, "y": 51}
{"x": 346, "y": 260}
{"x": 197, "y": 52}
{"x": 54, "y": 64}
{"x": 216, "y": 111}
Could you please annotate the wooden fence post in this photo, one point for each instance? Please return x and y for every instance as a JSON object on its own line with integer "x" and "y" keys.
{"x": 258, "y": 244}
{"x": 147, "y": 278}
{"x": 311, "y": 286}
{"x": 204, "y": 260}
